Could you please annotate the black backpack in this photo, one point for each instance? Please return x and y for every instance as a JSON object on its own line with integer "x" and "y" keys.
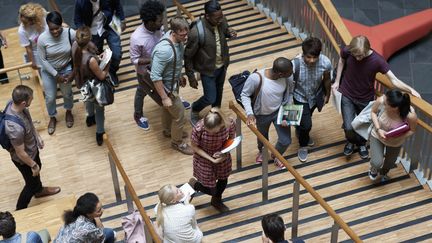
{"x": 200, "y": 29}
{"x": 237, "y": 82}
{"x": 4, "y": 139}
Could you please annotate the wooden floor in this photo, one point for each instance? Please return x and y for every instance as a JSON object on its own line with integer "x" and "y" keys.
{"x": 398, "y": 210}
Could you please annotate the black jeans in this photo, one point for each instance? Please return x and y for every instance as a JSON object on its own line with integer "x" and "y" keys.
{"x": 32, "y": 185}
{"x": 350, "y": 109}
{"x": 305, "y": 124}
{"x": 213, "y": 191}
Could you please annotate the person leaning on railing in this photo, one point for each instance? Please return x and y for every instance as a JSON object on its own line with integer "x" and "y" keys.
{"x": 32, "y": 18}
{"x": 389, "y": 112}
{"x": 55, "y": 53}
{"x": 210, "y": 166}
{"x": 175, "y": 219}
{"x": 361, "y": 65}
{"x": 83, "y": 223}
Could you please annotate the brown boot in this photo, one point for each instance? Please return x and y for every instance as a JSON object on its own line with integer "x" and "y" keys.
{"x": 69, "y": 119}
{"x": 52, "y": 125}
{"x": 217, "y": 203}
{"x": 47, "y": 191}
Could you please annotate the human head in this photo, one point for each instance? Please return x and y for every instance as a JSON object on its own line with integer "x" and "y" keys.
{"x": 151, "y": 14}
{"x": 87, "y": 205}
{"x": 213, "y": 12}
{"x": 282, "y": 67}
{"x": 180, "y": 29}
{"x": 214, "y": 120}
{"x": 359, "y": 47}
{"x": 311, "y": 48}
{"x": 168, "y": 194}
{"x": 83, "y": 36}
{"x": 32, "y": 14}
{"x": 22, "y": 95}
{"x": 398, "y": 100}
{"x": 54, "y": 21}
{"x": 273, "y": 227}
{"x": 7, "y": 225}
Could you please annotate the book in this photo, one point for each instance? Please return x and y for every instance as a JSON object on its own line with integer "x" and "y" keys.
{"x": 231, "y": 144}
{"x": 187, "y": 190}
{"x": 290, "y": 113}
{"x": 115, "y": 24}
{"x": 401, "y": 129}
{"x": 106, "y": 57}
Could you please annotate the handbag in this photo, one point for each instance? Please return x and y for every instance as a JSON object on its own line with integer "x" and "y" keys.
{"x": 362, "y": 123}
{"x": 103, "y": 91}
{"x": 148, "y": 84}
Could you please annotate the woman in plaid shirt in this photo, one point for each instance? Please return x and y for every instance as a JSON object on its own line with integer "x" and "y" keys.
{"x": 210, "y": 166}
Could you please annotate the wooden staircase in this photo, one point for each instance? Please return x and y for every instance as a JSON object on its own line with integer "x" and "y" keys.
{"x": 397, "y": 210}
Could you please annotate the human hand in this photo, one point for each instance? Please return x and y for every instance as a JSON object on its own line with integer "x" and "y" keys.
{"x": 284, "y": 123}
{"x": 60, "y": 79}
{"x": 382, "y": 134}
{"x": 34, "y": 65}
{"x": 123, "y": 26}
{"x": 182, "y": 81}
{"x": 251, "y": 120}
{"x": 167, "y": 102}
{"x": 35, "y": 170}
{"x": 219, "y": 155}
{"x": 335, "y": 87}
{"x": 218, "y": 160}
{"x": 40, "y": 142}
{"x": 232, "y": 32}
{"x": 193, "y": 82}
{"x": 69, "y": 77}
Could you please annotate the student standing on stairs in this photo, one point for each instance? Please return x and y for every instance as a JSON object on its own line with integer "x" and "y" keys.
{"x": 274, "y": 87}
{"x": 312, "y": 89}
{"x": 385, "y": 149}
{"x": 26, "y": 143}
{"x": 361, "y": 65}
{"x": 97, "y": 15}
{"x": 207, "y": 52}
{"x": 210, "y": 166}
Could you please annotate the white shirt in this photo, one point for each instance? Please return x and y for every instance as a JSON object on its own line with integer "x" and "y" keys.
{"x": 97, "y": 23}
{"x": 272, "y": 93}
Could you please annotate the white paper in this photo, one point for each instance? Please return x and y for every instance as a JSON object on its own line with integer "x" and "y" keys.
{"x": 336, "y": 100}
{"x": 116, "y": 25}
{"x": 234, "y": 144}
{"x": 107, "y": 54}
{"x": 186, "y": 189}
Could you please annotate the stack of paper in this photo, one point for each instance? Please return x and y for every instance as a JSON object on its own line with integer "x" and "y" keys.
{"x": 106, "y": 57}
{"x": 291, "y": 114}
{"x": 187, "y": 191}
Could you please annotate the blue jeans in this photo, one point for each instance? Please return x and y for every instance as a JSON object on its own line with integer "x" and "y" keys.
{"x": 50, "y": 88}
{"x": 99, "y": 113}
{"x": 113, "y": 41}
{"x": 109, "y": 235}
{"x": 350, "y": 109}
{"x": 213, "y": 90}
{"x": 284, "y": 133}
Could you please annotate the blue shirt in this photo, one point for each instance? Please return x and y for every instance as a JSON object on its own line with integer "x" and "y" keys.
{"x": 32, "y": 237}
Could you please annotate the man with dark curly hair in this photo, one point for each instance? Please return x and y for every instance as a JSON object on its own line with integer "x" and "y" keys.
{"x": 9, "y": 234}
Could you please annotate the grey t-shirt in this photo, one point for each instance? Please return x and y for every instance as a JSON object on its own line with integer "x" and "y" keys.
{"x": 55, "y": 52}
{"x": 18, "y": 135}
{"x": 162, "y": 62}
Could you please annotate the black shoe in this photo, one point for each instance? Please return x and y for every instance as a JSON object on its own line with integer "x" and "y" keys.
{"x": 114, "y": 79}
{"x": 348, "y": 149}
{"x": 363, "y": 152}
{"x": 90, "y": 121}
{"x": 99, "y": 138}
{"x": 4, "y": 81}
{"x": 217, "y": 203}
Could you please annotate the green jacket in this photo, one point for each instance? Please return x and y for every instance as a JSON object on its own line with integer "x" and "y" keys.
{"x": 202, "y": 58}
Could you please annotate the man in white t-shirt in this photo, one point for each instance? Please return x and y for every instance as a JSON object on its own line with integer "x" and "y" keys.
{"x": 276, "y": 89}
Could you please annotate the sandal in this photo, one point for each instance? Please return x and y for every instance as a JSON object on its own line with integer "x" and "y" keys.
{"x": 69, "y": 119}
{"x": 52, "y": 125}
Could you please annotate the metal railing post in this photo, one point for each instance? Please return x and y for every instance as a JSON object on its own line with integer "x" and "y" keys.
{"x": 334, "y": 233}
{"x": 264, "y": 165}
{"x": 165, "y": 17}
{"x": 114, "y": 177}
{"x": 295, "y": 209}
{"x": 129, "y": 202}
{"x": 239, "y": 147}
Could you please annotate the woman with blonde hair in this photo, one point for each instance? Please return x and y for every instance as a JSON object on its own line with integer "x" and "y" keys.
{"x": 210, "y": 166}
{"x": 32, "y": 24}
{"x": 175, "y": 218}
{"x": 86, "y": 67}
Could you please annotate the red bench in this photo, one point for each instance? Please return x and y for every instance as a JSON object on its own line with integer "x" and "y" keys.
{"x": 389, "y": 37}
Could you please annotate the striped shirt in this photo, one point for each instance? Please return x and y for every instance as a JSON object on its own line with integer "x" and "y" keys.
{"x": 310, "y": 79}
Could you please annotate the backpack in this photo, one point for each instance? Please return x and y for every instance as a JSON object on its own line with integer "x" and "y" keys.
{"x": 4, "y": 139}
{"x": 237, "y": 82}
{"x": 200, "y": 29}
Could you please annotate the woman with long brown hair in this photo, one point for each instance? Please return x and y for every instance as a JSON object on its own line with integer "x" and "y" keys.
{"x": 32, "y": 24}
{"x": 86, "y": 67}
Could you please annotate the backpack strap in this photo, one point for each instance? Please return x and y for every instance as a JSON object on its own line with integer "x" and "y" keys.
{"x": 174, "y": 63}
{"x": 24, "y": 237}
{"x": 13, "y": 118}
{"x": 201, "y": 32}
{"x": 258, "y": 89}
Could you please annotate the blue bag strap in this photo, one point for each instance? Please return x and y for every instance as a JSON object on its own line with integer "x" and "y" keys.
{"x": 13, "y": 118}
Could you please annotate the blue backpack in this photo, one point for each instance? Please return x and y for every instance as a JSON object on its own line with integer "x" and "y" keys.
{"x": 4, "y": 139}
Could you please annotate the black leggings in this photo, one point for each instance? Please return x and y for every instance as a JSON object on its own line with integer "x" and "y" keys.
{"x": 213, "y": 191}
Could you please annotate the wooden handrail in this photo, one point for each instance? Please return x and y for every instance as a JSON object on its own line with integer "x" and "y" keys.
{"x": 17, "y": 67}
{"x": 297, "y": 176}
{"x": 337, "y": 21}
{"x": 184, "y": 10}
{"x": 54, "y": 5}
{"x": 131, "y": 190}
